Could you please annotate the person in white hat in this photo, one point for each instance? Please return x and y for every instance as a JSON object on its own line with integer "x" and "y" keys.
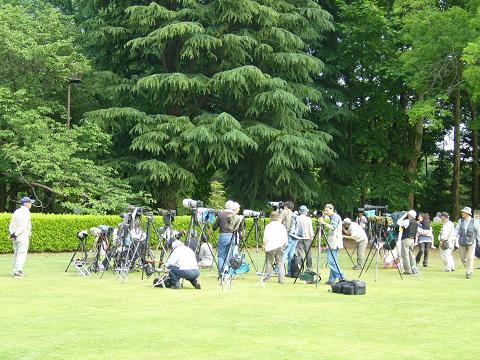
{"x": 410, "y": 226}
{"x": 468, "y": 233}
{"x": 20, "y": 231}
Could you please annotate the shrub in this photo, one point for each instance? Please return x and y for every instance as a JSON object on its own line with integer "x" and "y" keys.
{"x": 57, "y": 233}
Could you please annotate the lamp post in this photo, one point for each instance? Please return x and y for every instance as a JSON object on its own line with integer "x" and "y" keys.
{"x": 72, "y": 80}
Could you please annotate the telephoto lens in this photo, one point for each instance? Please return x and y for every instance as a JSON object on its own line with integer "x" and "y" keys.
{"x": 252, "y": 213}
{"x": 192, "y": 204}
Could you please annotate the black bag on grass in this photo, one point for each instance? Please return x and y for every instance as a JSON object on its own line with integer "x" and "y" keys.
{"x": 297, "y": 262}
{"x": 352, "y": 287}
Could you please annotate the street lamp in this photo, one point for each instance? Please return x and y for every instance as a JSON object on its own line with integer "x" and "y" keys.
{"x": 72, "y": 80}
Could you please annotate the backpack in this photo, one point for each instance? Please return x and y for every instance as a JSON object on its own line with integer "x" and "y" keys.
{"x": 390, "y": 240}
{"x": 297, "y": 231}
{"x": 297, "y": 263}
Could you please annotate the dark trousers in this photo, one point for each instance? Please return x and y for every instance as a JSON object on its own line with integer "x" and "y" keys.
{"x": 423, "y": 249}
{"x": 176, "y": 274}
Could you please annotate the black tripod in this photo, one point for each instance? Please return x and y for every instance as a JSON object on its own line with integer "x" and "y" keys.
{"x": 226, "y": 275}
{"x": 319, "y": 234}
{"x": 376, "y": 243}
{"x": 257, "y": 231}
{"x": 192, "y": 241}
{"x": 81, "y": 247}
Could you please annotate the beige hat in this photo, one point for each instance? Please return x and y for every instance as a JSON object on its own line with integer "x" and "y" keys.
{"x": 274, "y": 216}
{"x": 467, "y": 210}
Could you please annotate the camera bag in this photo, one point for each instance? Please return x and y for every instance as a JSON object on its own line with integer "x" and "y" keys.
{"x": 351, "y": 287}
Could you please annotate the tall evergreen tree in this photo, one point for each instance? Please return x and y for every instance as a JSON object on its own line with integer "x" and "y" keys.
{"x": 204, "y": 85}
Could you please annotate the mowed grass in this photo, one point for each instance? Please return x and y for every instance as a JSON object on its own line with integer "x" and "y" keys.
{"x": 51, "y": 314}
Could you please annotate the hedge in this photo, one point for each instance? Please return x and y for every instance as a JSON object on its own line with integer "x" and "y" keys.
{"x": 58, "y": 233}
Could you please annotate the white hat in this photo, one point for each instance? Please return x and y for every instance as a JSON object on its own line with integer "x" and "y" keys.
{"x": 235, "y": 206}
{"x": 412, "y": 213}
{"x": 229, "y": 205}
{"x": 347, "y": 221}
{"x": 467, "y": 210}
{"x": 303, "y": 210}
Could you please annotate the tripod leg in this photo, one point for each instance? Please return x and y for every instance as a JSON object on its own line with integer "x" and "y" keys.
{"x": 73, "y": 256}
{"x": 366, "y": 260}
{"x": 306, "y": 256}
{"x": 350, "y": 256}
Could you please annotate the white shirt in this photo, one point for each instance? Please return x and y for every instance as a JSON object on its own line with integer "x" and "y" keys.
{"x": 357, "y": 232}
{"x": 205, "y": 254}
{"x": 182, "y": 257}
{"x": 448, "y": 232}
{"x": 275, "y": 236}
{"x": 21, "y": 223}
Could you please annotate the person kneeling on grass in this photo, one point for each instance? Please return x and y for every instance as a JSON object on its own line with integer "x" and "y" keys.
{"x": 275, "y": 238}
{"x": 182, "y": 264}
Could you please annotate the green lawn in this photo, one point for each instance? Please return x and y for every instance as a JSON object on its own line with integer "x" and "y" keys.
{"x": 50, "y": 314}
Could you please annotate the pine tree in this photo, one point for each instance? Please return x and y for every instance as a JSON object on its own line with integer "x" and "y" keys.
{"x": 202, "y": 85}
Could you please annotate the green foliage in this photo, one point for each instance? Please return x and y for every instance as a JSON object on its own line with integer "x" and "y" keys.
{"x": 221, "y": 86}
{"x": 58, "y": 233}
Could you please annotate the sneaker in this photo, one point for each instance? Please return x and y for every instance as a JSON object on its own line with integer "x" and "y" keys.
{"x": 18, "y": 274}
{"x": 356, "y": 267}
{"x": 447, "y": 270}
{"x": 265, "y": 278}
{"x": 176, "y": 286}
{"x": 196, "y": 284}
{"x": 407, "y": 273}
{"x": 329, "y": 282}
{"x": 468, "y": 276}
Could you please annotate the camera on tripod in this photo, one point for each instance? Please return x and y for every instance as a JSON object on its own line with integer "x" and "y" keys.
{"x": 192, "y": 204}
{"x": 254, "y": 214}
{"x": 168, "y": 216}
{"x": 277, "y": 204}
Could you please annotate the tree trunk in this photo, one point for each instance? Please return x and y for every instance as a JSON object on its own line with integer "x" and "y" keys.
{"x": 456, "y": 157}
{"x": 416, "y": 147}
{"x": 473, "y": 111}
{"x": 3, "y": 196}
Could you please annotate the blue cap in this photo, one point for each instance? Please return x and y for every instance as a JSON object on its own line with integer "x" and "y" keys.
{"x": 303, "y": 210}
{"x": 26, "y": 200}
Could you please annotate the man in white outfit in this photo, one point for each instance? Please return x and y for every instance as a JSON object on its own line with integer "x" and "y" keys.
{"x": 447, "y": 240}
{"x": 20, "y": 231}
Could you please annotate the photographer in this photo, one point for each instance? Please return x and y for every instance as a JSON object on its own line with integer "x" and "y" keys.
{"x": 205, "y": 257}
{"x": 357, "y": 233}
{"x": 286, "y": 219}
{"x": 227, "y": 222}
{"x": 182, "y": 264}
{"x": 410, "y": 226}
{"x": 303, "y": 233}
{"x": 274, "y": 239}
{"x": 20, "y": 231}
{"x": 335, "y": 242}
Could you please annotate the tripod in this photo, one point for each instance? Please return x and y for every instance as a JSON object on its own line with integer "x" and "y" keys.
{"x": 226, "y": 275}
{"x": 319, "y": 235}
{"x": 257, "y": 231}
{"x": 82, "y": 247}
{"x": 375, "y": 242}
{"x": 192, "y": 242}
